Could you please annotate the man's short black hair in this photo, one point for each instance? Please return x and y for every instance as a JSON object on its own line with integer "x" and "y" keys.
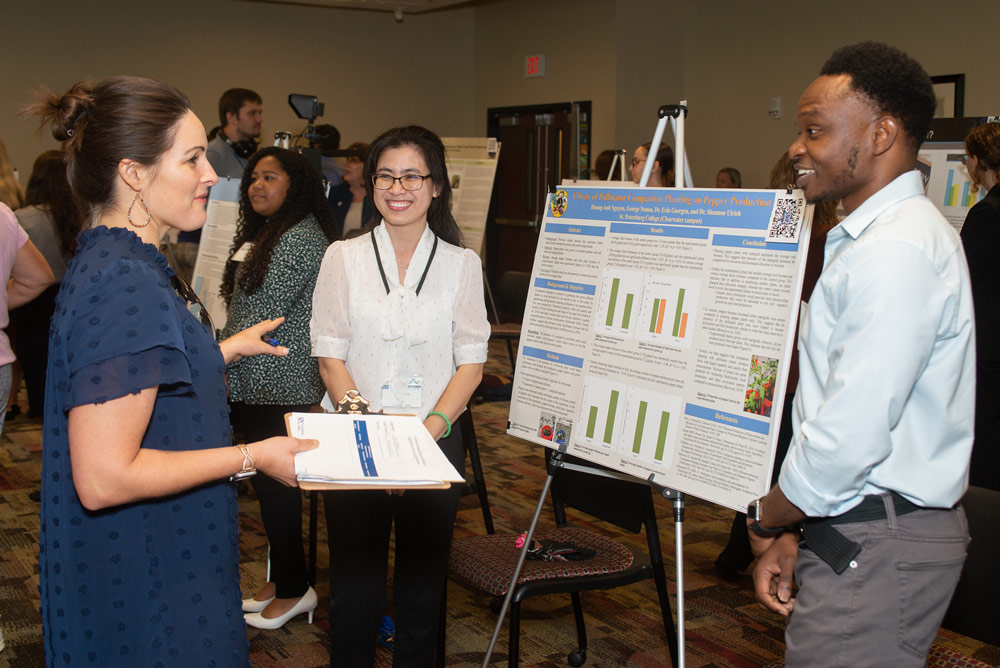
{"x": 895, "y": 83}
{"x": 233, "y": 100}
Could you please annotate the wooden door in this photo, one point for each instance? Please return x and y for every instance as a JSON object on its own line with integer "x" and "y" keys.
{"x": 539, "y": 148}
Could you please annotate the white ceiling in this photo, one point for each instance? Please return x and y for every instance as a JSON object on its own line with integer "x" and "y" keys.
{"x": 408, "y": 6}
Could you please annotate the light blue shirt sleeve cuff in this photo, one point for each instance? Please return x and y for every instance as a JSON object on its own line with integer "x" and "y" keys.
{"x": 804, "y": 496}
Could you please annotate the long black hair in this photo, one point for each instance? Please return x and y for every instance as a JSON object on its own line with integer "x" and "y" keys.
{"x": 305, "y": 196}
{"x": 439, "y": 217}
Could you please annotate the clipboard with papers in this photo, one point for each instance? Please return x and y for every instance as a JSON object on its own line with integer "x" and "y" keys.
{"x": 369, "y": 451}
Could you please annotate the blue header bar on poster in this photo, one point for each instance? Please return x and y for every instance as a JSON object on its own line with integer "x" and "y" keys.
{"x": 549, "y": 356}
{"x": 737, "y": 209}
{"x": 565, "y": 286}
{"x": 739, "y": 241}
{"x": 729, "y": 419}
{"x": 583, "y": 230}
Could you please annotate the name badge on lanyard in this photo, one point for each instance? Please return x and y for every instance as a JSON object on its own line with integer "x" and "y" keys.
{"x": 411, "y": 395}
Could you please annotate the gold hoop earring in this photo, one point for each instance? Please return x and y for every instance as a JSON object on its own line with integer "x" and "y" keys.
{"x": 128, "y": 214}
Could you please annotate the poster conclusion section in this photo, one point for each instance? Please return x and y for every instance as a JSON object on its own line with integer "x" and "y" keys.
{"x": 658, "y": 331}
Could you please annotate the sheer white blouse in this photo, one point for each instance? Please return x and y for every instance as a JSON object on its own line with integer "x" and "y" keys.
{"x": 392, "y": 338}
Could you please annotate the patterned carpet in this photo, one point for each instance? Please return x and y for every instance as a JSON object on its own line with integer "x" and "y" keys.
{"x": 724, "y": 626}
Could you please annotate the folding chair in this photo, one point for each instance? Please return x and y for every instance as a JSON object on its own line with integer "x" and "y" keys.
{"x": 486, "y": 563}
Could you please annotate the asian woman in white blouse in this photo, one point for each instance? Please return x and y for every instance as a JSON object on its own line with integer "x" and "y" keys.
{"x": 399, "y": 315}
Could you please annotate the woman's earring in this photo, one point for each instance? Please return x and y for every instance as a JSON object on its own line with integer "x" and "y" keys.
{"x": 128, "y": 214}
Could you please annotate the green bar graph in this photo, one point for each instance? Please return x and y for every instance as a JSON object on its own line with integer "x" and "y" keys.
{"x": 628, "y": 311}
{"x": 652, "y": 318}
{"x": 679, "y": 312}
{"x": 611, "y": 302}
{"x": 591, "y": 421}
{"x": 609, "y": 425}
{"x": 640, "y": 421}
{"x": 661, "y": 438}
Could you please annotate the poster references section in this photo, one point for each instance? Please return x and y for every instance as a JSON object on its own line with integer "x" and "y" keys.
{"x": 658, "y": 330}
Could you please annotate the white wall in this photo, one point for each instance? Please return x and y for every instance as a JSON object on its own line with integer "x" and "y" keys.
{"x": 650, "y": 41}
{"x": 577, "y": 38}
{"x": 740, "y": 54}
{"x": 445, "y": 68}
{"x": 371, "y": 71}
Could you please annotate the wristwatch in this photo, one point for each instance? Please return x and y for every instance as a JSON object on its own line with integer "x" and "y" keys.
{"x": 755, "y": 509}
{"x": 248, "y": 470}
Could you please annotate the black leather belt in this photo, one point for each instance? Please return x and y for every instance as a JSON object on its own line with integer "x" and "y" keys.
{"x": 836, "y": 549}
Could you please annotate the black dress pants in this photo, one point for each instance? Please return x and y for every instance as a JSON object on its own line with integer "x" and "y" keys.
{"x": 31, "y": 345}
{"x": 358, "y": 525}
{"x": 280, "y": 505}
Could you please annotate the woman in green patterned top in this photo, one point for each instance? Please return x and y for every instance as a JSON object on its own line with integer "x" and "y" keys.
{"x": 284, "y": 229}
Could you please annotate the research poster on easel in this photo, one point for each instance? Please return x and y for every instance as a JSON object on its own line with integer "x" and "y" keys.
{"x": 472, "y": 166}
{"x": 658, "y": 330}
{"x": 941, "y": 162}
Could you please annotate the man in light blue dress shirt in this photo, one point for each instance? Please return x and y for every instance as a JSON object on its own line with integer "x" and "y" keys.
{"x": 883, "y": 413}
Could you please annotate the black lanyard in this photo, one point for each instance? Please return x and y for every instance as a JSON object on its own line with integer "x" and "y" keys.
{"x": 385, "y": 281}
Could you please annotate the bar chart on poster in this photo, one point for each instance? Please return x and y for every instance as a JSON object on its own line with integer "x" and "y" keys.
{"x": 603, "y": 404}
{"x": 619, "y": 306}
{"x": 649, "y": 436}
{"x": 958, "y": 190}
{"x": 668, "y": 309}
{"x": 658, "y": 330}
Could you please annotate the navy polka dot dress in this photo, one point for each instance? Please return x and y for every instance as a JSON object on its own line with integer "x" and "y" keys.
{"x": 153, "y": 583}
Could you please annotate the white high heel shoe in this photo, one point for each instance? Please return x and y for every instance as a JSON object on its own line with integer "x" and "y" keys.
{"x": 253, "y": 605}
{"x": 306, "y": 604}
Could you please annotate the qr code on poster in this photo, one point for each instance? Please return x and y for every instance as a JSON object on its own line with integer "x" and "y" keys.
{"x": 785, "y": 221}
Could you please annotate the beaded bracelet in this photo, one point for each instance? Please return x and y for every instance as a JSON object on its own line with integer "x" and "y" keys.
{"x": 447, "y": 432}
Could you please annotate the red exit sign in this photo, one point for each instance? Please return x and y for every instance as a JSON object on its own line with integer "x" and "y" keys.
{"x": 534, "y": 66}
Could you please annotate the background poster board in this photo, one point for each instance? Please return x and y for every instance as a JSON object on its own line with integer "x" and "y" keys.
{"x": 213, "y": 251}
{"x": 946, "y": 180}
{"x": 472, "y": 166}
{"x": 658, "y": 331}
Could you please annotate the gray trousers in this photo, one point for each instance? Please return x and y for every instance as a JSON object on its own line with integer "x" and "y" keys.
{"x": 885, "y": 609}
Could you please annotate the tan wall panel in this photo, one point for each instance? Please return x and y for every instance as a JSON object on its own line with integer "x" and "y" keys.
{"x": 371, "y": 71}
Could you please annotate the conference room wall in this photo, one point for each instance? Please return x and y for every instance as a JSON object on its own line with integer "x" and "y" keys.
{"x": 738, "y": 55}
{"x": 371, "y": 71}
{"x": 727, "y": 58}
{"x": 578, "y": 40}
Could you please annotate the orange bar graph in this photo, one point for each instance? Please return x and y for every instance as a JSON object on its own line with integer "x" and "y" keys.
{"x": 659, "y": 318}
{"x": 684, "y": 324}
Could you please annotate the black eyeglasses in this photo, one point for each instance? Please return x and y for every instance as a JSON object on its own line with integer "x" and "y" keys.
{"x": 964, "y": 159}
{"x": 188, "y": 294}
{"x": 409, "y": 182}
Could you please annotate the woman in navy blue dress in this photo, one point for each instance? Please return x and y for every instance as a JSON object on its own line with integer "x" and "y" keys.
{"x": 138, "y": 556}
